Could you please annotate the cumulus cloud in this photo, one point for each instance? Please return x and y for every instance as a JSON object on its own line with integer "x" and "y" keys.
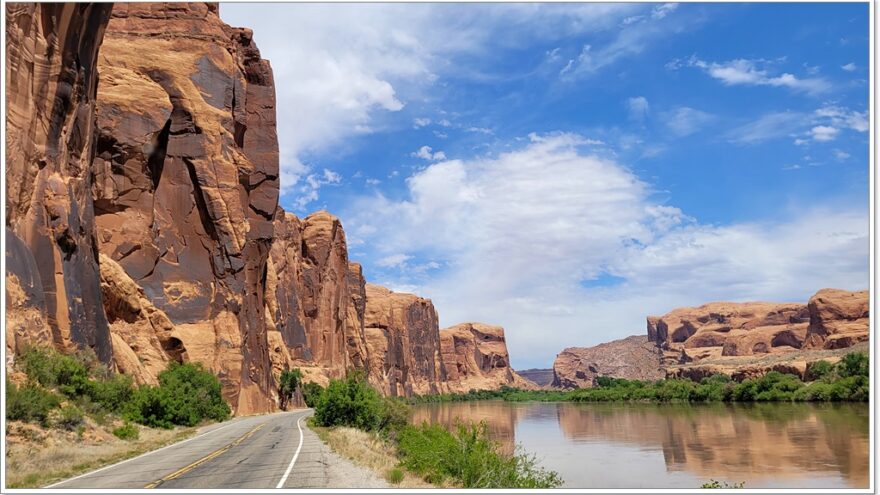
{"x": 824, "y": 133}
{"x": 518, "y": 234}
{"x": 850, "y": 67}
{"x": 425, "y": 153}
{"x": 753, "y": 72}
{"x": 822, "y": 125}
{"x": 308, "y": 188}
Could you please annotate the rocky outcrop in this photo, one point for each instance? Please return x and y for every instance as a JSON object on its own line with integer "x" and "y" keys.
{"x": 475, "y": 358}
{"x": 832, "y": 319}
{"x": 747, "y": 340}
{"x": 403, "y": 340}
{"x": 186, "y": 181}
{"x": 632, "y": 358}
{"x": 838, "y": 319}
{"x": 51, "y": 83}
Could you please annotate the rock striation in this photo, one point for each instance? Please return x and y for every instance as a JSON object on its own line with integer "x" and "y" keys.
{"x": 632, "y": 358}
{"x": 143, "y": 218}
{"x": 51, "y": 85}
{"x": 542, "y": 377}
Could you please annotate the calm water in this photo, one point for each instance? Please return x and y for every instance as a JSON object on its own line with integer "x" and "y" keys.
{"x": 679, "y": 446}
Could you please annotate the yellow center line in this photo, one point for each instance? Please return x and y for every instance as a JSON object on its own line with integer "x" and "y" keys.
{"x": 189, "y": 467}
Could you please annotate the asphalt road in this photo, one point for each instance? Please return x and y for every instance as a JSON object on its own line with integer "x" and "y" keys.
{"x": 271, "y": 451}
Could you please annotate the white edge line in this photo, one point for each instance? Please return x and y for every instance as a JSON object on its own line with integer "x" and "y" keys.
{"x": 295, "y": 455}
{"x": 142, "y": 455}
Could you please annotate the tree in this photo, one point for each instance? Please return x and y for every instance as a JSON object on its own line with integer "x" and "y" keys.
{"x": 288, "y": 384}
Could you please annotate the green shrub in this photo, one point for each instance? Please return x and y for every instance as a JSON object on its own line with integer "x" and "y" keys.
{"x": 69, "y": 418}
{"x": 853, "y": 364}
{"x": 186, "y": 395}
{"x": 711, "y": 484}
{"x": 112, "y": 393}
{"x": 820, "y": 370}
{"x": 29, "y": 403}
{"x": 468, "y": 458}
{"x": 394, "y": 476}
{"x": 127, "y": 431}
{"x": 312, "y": 393}
{"x": 350, "y": 402}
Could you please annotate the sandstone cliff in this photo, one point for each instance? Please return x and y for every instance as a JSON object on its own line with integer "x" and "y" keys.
{"x": 51, "y": 83}
{"x": 143, "y": 218}
{"x": 475, "y": 357}
{"x": 632, "y": 358}
{"x": 403, "y": 340}
{"x": 186, "y": 181}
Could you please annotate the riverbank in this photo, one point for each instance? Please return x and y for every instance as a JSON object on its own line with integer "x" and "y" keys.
{"x": 845, "y": 381}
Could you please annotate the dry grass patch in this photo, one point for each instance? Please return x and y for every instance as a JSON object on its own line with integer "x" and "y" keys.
{"x": 36, "y": 457}
{"x": 371, "y": 451}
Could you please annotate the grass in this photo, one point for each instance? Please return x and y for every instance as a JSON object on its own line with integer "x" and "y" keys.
{"x": 369, "y": 450}
{"x": 42, "y": 458}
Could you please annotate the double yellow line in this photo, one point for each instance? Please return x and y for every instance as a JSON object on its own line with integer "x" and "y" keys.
{"x": 180, "y": 472}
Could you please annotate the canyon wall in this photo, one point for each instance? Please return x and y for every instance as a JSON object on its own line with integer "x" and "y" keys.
{"x": 52, "y": 253}
{"x": 143, "y": 218}
{"x": 475, "y": 357}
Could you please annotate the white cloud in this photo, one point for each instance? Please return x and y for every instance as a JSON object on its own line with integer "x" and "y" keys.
{"x": 800, "y": 142}
{"x": 481, "y": 130}
{"x": 308, "y": 189}
{"x": 824, "y": 133}
{"x": 841, "y": 155}
{"x": 684, "y": 121}
{"x": 752, "y": 72}
{"x": 638, "y": 108}
{"x": 661, "y": 11}
{"x": 793, "y": 166}
{"x": 372, "y": 182}
{"x": 394, "y": 260}
{"x": 421, "y": 122}
{"x": 425, "y": 153}
{"x": 518, "y": 233}
{"x": 850, "y": 67}
{"x": 844, "y": 117}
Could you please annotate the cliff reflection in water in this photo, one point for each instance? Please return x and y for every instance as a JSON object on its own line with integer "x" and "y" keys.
{"x": 597, "y": 445}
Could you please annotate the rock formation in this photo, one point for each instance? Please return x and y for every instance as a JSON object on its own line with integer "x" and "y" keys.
{"x": 403, "y": 340}
{"x": 186, "y": 181}
{"x": 745, "y": 340}
{"x": 632, "y": 358}
{"x": 51, "y": 83}
{"x": 475, "y": 357}
{"x": 143, "y": 218}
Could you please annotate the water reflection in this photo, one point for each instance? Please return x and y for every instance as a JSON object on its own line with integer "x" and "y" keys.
{"x": 599, "y": 445}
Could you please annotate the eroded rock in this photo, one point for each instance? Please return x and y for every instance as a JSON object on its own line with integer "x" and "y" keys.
{"x": 632, "y": 358}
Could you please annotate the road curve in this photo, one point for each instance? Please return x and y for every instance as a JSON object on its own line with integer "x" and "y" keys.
{"x": 249, "y": 452}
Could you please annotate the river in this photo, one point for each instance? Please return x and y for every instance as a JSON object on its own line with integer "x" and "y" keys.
{"x": 623, "y": 445}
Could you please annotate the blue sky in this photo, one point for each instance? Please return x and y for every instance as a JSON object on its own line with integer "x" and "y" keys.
{"x": 565, "y": 170}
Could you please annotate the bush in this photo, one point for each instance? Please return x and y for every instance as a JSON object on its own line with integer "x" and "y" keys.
{"x": 49, "y": 368}
{"x": 29, "y": 403}
{"x": 127, "y": 431}
{"x": 69, "y": 418}
{"x": 820, "y": 370}
{"x": 186, "y": 395}
{"x": 350, "y": 402}
{"x": 468, "y": 458}
{"x": 853, "y": 364}
{"x": 312, "y": 393}
{"x": 112, "y": 393}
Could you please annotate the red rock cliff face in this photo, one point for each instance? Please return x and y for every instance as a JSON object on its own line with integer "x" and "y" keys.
{"x": 186, "y": 182}
{"x": 51, "y": 82}
{"x": 475, "y": 357}
{"x": 403, "y": 339}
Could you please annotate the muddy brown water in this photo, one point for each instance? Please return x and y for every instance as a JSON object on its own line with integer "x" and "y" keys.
{"x": 624, "y": 445}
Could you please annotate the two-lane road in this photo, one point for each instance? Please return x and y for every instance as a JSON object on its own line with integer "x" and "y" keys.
{"x": 271, "y": 451}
